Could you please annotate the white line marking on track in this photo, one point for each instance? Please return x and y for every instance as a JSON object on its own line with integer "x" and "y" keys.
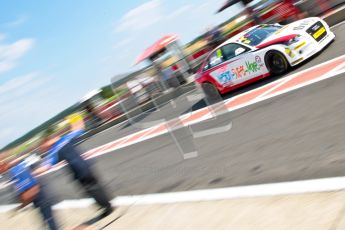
{"x": 118, "y": 146}
{"x": 114, "y": 126}
{"x": 152, "y": 133}
{"x": 250, "y": 191}
{"x": 321, "y": 78}
{"x": 274, "y": 87}
{"x": 8, "y": 208}
{"x": 338, "y": 70}
{"x": 338, "y": 24}
{"x": 69, "y": 204}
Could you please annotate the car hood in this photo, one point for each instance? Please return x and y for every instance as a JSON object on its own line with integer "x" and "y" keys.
{"x": 290, "y": 29}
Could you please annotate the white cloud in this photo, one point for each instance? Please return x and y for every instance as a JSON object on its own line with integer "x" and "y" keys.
{"x": 20, "y": 87}
{"x": 141, "y": 17}
{"x": 158, "y": 17}
{"x": 123, "y": 43}
{"x": 16, "y": 83}
{"x": 180, "y": 11}
{"x": 10, "y": 53}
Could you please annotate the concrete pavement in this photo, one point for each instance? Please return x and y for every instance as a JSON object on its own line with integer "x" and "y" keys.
{"x": 324, "y": 211}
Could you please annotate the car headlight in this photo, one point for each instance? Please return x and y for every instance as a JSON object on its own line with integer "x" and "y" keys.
{"x": 297, "y": 38}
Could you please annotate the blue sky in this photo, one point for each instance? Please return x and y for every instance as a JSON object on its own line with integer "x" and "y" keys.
{"x": 54, "y": 52}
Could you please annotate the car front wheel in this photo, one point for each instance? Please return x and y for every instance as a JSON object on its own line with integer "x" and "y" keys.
{"x": 276, "y": 63}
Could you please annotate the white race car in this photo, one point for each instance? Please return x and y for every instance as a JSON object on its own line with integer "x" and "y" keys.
{"x": 261, "y": 51}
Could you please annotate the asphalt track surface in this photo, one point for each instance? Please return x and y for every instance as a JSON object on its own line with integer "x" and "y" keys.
{"x": 295, "y": 136}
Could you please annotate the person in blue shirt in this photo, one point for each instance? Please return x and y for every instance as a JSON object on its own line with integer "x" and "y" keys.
{"x": 64, "y": 148}
{"x": 29, "y": 189}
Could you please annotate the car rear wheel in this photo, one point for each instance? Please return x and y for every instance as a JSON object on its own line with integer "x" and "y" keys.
{"x": 276, "y": 62}
{"x": 211, "y": 92}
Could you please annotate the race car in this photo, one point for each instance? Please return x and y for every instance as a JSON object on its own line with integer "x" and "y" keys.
{"x": 261, "y": 51}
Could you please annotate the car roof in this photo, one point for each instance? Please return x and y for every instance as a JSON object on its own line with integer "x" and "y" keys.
{"x": 237, "y": 37}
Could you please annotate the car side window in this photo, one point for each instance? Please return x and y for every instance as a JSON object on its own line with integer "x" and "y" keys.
{"x": 214, "y": 59}
{"x": 232, "y": 50}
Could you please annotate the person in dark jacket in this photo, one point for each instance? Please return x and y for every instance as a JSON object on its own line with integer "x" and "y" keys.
{"x": 64, "y": 148}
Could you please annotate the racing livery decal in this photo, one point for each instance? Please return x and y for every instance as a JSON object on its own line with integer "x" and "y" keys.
{"x": 239, "y": 71}
{"x": 223, "y": 75}
{"x": 255, "y": 66}
{"x": 228, "y": 75}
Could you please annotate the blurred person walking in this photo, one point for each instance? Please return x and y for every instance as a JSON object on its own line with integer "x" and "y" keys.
{"x": 29, "y": 189}
{"x": 64, "y": 148}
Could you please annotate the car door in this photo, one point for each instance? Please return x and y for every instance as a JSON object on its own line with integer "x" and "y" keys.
{"x": 214, "y": 61}
{"x": 239, "y": 64}
{"x": 217, "y": 69}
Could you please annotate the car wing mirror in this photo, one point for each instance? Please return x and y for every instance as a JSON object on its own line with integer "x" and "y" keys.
{"x": 239, "y": 51}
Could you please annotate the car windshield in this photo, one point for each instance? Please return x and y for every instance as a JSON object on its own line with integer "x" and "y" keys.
{"x": 257, "y": 35}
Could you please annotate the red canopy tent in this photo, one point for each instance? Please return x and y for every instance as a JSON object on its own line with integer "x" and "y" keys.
{"x": 156, "y": 47}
